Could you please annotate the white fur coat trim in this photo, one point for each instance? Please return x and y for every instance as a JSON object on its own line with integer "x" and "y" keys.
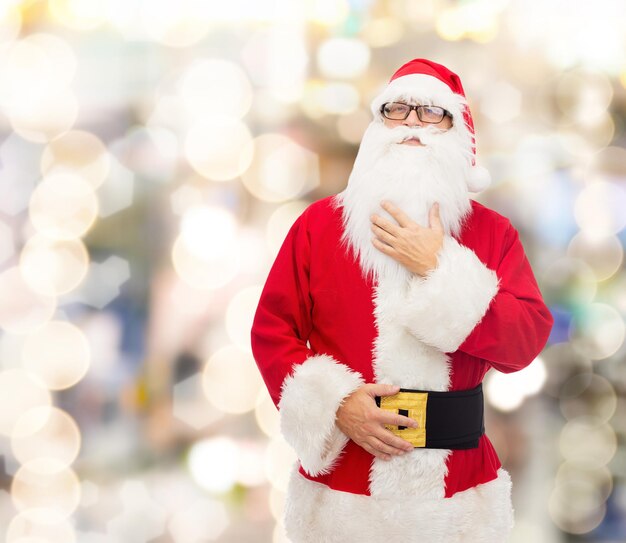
{"x": 444, "y": 306}
{"x": 315, "y": 513}
{"x": 309, "y": 401}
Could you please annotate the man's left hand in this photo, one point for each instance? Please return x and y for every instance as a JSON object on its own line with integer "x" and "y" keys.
{"x": 411, "y": 244}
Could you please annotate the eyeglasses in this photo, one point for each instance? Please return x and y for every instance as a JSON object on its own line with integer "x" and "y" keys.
{"x": 397, "y": 111}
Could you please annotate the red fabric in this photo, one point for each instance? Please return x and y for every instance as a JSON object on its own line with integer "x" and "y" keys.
{"x": 315, "y": 291}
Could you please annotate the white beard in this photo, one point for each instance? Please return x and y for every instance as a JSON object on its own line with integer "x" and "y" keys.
{"x": 410, "y": 177}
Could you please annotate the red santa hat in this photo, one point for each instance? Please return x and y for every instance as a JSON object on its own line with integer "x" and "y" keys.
{"x": 430, "y": 83}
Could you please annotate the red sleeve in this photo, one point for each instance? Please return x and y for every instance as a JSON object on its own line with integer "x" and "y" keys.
{"x": 517, "y": 324}
{"x": 282, "y": 322}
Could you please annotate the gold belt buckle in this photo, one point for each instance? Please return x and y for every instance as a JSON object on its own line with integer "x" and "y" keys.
{"x": 415, "y": 403}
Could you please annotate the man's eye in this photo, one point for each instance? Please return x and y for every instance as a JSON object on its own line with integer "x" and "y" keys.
{"x": 396, "y": 108}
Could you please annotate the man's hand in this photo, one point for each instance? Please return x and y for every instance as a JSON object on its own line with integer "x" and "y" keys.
{"x": 363, "y": 421}
{"x": 412, "y": 245}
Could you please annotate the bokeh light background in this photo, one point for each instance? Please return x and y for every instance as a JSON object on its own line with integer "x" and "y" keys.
{"x": 153, "y": 155}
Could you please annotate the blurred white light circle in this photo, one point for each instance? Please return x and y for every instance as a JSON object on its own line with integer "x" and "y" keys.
{"x": 281, "y": 169}
{"x": 58, "y": 353}
{"x": 507, "y": 391}
{"x": 603, "y": 254}
{"x": 22, "y": 309}
{"x": 576, "y": 506}
{"x": 343, "y": 58}
{"x": 7, "y": 242}
{"x": 588, "y": 394}
{"x": 599, "y": 208}
{"x": 278, "y": 500}
{"x": 570, "y": 279}
{"x": 583, "y": 95}
{"x": 502, "y": 393}
{"x": 231, "y": 380}
{"x": 205, "y": 519}
{"x": 588, "y": 442}
{"x": 20, "y": 391}
{"x": 80, "y": 153}
{"x": 22, "y": 528}
{"x": 327, "y": 12}
{"x": 339, "y": 98}
{"x": 449, "y": 24}
{"x": 288, "y": 59}
{"x": 478, "y": 21}
{"x": 46, "y": 118}
{"x": 208, "y": 231}
{"x": 598, "y": 332}
{"x": 189, "y": 301}
{"x": 213, "y": 463}
{"x": 205, "y": 273}
{"x": 281, "y": 221}
{"x": 53, "y": 267}
{"x": 321, "y": 98}
{"x": 240, "y": 314}
{"x": 600, "y": 480}
{"x": 186, "y": 196}
{"x": 266, "y": 414}
{"x": 34, "y": 67}
{"x": 45, "y": 491}
{"x": 11, "y": 18}
{"x": 352, "y": 126}
{"x": 215, "y": 87}
{"x": 79, "y": 14}
{"x": 501, "y": 102}
{"x": 63, "y": 206}
{"x": 45, "y": 432}
{"x": 384, "y": 31}
{"x": 279, "y": 462}
{"x": 250, "y": 471}
{"x": 219, "y": 148}
{"x": 176, "y": 24}
{"x": 60, "y": 65}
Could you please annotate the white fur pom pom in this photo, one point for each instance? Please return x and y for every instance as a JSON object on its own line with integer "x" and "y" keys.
{"x": 478, "y": 179}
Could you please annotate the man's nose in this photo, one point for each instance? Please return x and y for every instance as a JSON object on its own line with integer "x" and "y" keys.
{"x": 412, "y": 119}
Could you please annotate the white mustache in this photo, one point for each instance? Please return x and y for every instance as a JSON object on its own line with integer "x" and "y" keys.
{"x": 424, "y": 134}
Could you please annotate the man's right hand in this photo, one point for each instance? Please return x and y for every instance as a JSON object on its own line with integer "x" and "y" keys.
{"x": 364, "y": 422}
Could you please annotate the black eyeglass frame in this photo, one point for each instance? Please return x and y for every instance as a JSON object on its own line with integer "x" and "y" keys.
{"x": 417, "y": 109}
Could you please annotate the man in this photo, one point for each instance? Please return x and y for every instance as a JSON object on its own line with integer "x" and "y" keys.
{"x": 385, "y": 307}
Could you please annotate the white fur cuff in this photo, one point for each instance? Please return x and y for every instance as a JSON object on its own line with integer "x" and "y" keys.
{"x": 308, "y": 404}
{"x": 444, "y": 306}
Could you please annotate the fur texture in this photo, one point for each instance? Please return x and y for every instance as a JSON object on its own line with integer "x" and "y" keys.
{"x": 317, "y": 514}
{"x": 309, "y": 401}
{"x": 443, "y": 307}
{"x": 424, "y": 89}
{"x": 417, "y": 321}
{"x": 412, "y": 178}
{"x": 401, "y": 359}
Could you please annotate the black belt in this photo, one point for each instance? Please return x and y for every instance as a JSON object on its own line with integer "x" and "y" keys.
{"x": 446, "y": 420}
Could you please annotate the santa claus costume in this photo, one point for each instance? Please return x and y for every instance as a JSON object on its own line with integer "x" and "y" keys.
{"x": 336, "y": 312}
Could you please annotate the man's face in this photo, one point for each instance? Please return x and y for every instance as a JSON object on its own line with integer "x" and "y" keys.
{"x": 413, "y": 120}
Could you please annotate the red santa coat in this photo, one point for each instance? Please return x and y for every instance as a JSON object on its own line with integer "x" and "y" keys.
{"x": 322, "y": 329}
